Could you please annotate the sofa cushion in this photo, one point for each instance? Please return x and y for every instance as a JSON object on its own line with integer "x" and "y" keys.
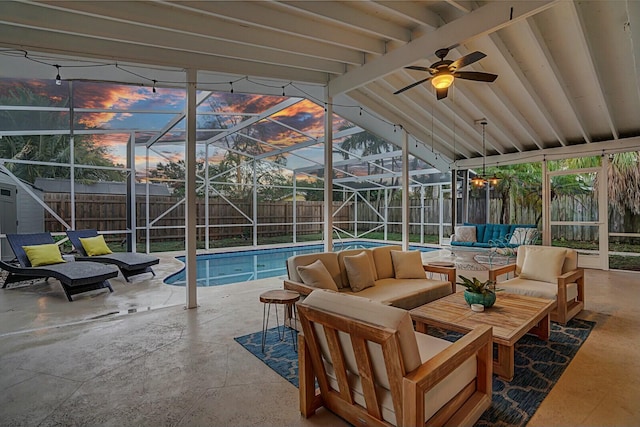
{"x": 359, "y": 271}
{"x": 407, "y": 265}
{"x": 370, "y": 312}
{"x": 382, "y": 260}
{"x": 343, "y": 269}
{"x": 329, "y": 259}
{"x": 465, "y": 233}
{"x": 317, "y": 275}
{"x": 543, "y": 263}
{"x": 535, "y": 288}
{"x": 407, "y": 293}
{"x": 495, "y": 232}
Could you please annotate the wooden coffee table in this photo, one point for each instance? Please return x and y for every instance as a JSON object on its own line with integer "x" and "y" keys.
{"x": 512, "y": 316}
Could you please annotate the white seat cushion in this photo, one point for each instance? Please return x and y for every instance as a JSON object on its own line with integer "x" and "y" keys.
{"x": 535, "y": 288}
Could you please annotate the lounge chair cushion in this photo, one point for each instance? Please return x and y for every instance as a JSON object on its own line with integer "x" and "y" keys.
{"x": 407, "y": 265}
{"x": 359, "y": 271}
{"x": 95, "y": 245}
{"x": 543, "y": 263}
{"x": 317, "y": 275}
{"x": 46, "y": 254}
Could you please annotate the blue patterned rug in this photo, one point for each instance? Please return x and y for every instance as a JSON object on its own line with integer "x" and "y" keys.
{"x": 538, "y": 366}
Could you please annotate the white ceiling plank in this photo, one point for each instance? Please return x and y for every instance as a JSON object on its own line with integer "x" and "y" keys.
{"x": 591, "y": 68}
{"x": 87, "y": 26}
{"x": 482, "y": 21}
{"x": 462, "y": 6}
{"x": 527, "y": 87}
{"x": 146, "y": 14}
{"x": 262, "y": 14}
{"x": 343, "y": 14}
{"x": 414, "y": 11}
{"x": 93, "y": 48}
{"x": 555, "y": 77}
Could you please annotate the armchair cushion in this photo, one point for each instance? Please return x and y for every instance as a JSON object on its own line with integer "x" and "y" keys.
{"x": 543, "y": 263}
{"x": 359, "y": 271}
{"x": 317, "y": 275}
{"x": 407, "y": 265}
{"x": 538, "y": 289}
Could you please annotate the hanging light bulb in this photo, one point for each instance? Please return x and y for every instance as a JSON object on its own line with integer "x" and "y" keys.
{"x": 58, "y": 79}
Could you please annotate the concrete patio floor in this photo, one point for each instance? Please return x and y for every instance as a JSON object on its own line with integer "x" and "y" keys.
{"x": 137, "y": 357}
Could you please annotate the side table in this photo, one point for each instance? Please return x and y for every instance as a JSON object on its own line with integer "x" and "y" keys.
{"x": 279, "y": 297}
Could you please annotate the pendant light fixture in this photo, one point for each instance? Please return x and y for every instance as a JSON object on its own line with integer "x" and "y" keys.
{"x": 482, "y": 180}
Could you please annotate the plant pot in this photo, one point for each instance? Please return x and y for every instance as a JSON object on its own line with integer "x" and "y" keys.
{"x": 486, "y": 300}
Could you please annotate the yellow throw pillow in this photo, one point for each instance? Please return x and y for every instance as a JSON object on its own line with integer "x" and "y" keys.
{"x": 359, "y": 271}
{"x": 317, "y": 275}
{"x": 543, "y": 263}
{"x": 408, "y": 265}
{"x": 43, "y": 254}
{"x": 95, "y": 245}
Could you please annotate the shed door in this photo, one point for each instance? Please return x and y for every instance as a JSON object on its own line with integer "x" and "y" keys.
{"x": 8, "y": 217}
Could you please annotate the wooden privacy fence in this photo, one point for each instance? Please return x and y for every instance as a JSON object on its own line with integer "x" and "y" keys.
{"x": 109, "y": 212}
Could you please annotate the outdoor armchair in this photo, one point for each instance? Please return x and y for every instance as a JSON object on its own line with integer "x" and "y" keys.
{"x": 546, "y": 272}
{"x": 74, "y": 277}
{"x": 129, "y": 263}
{"x": 373, "y": 369}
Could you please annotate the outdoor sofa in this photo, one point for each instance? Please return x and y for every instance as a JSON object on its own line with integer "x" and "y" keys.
{"x": 485, "y": 236}
{"x": 385, "y": 274}
{"x": 129, "y": 263}
{"x": 74, "y": 277}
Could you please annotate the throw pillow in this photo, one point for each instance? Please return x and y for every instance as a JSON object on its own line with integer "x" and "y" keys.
{"x": 359, "y": 271}
{"x": 95, "y": 245}
{"x": 43, "y": 254}
{"x": 408, "y": 265}
{"x": 465, "y": 233}
{"x": 317, "y": 275}
{"x": 522, "y": 236}
{"x": 543, "y": 263}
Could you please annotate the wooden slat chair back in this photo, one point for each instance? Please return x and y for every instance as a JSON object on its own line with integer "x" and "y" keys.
{"x": 371, "y": 375}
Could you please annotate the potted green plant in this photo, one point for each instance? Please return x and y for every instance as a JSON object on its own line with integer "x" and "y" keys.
{"x": 478, "y": 292}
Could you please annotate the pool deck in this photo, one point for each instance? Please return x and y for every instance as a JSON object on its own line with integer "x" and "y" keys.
{"x": 137, "y": 357}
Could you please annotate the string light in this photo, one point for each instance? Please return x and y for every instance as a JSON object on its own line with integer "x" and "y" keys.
{"x": 58, "y": 79}
{"x": 231, "y": 83}
{"x": 154, "y": 86}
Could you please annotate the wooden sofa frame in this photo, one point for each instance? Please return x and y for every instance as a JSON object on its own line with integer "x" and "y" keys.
{"x": 407, "y": 388}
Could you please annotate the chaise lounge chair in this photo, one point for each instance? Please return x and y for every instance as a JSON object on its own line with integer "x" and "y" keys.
{"x": 129, "y": 263}
{"x": 74, "y": 277}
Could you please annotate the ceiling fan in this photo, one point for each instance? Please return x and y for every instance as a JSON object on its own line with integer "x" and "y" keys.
{"x": 444, "y": 71}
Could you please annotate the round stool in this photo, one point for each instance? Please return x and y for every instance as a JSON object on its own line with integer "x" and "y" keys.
{"x": 279, "y": 297}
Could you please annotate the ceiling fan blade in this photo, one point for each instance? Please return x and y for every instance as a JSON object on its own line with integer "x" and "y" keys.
{"x": 442, "y": 93}
{"x": 466, "y": 60}
{"x": 475, "y": 75}
{"x": 412, "y": 85}
{"x": 416, "y": 67}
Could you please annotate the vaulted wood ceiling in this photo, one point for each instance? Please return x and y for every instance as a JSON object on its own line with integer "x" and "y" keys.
{"x": 568, "y": 70}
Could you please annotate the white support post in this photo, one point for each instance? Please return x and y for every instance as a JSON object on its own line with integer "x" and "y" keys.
{"x": 72, "y": 158}
{"x": 546, "y": 205}
{"x": 355, "y": 215}
{"x": 406, "y": 211}
{"x": 206, "y": 196}
{"x": 386, "y": 214}
{"x": 328, "y": 173}
{"x": 422, "y": 214}
{"x": 147, "y": 199}
{"x": 254, "y": 213}
{"x": 603, "y": 214}
{"x": 294, "y": 214}
{"x": 440, "y": 214}
{"x": 132, "y": 193}
{"x": 190, "y": 196}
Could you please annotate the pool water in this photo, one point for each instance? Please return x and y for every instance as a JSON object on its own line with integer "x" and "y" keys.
{"x": 241, "y": 266}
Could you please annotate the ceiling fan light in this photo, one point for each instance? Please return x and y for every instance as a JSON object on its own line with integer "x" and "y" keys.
{"x": 442, "y": 81}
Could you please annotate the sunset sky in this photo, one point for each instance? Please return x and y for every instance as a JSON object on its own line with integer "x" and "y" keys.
{"x": 138, "y": 109}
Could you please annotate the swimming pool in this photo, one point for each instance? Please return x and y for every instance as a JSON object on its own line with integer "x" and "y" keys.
{"x": 241, "y": 266}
